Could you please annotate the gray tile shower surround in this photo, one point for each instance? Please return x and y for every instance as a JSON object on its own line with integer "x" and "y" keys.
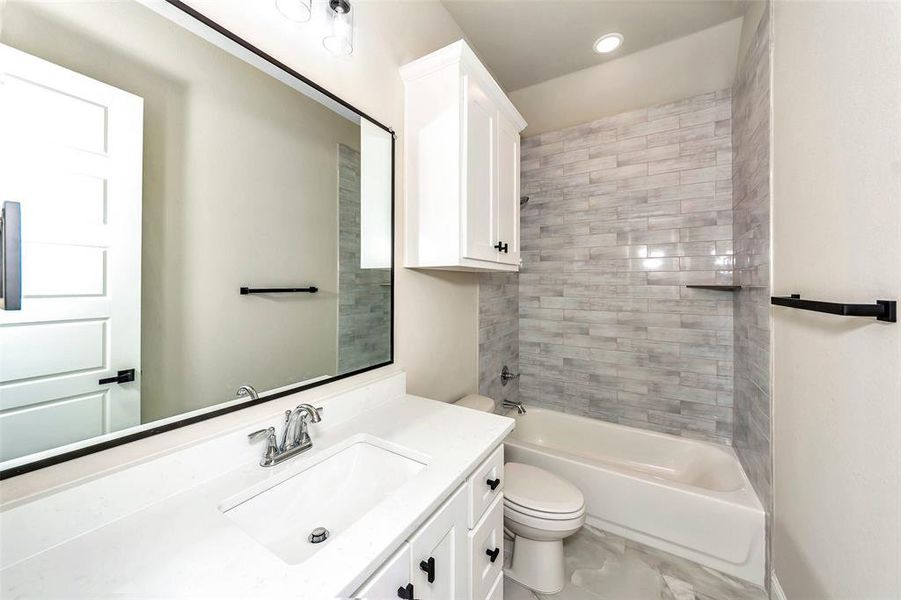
{"x": 364, "y": 295}
{"x": 751, "y": 234}
{"x": 623, "y": 213}
{"x": 498, "y": 334}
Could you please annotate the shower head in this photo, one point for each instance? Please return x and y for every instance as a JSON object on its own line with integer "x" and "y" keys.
{"x": 523, "y": 200}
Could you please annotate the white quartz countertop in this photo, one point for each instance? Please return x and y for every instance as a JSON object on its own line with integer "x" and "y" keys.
{"x": 182, "y": 545}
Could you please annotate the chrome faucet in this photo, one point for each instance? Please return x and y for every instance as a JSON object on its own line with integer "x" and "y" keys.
{"x": 295, "y": 437}
{"x": 517, "y": 404}
{"x": 296, "y": 432}
{"x": 247, "y": 391}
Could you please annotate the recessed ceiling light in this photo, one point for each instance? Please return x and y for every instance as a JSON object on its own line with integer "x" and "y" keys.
{"x": 608, "y": 43}
{"x": 294, "y": 10}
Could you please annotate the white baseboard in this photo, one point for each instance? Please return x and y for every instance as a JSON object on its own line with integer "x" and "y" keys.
{"x": 776, "y": 589}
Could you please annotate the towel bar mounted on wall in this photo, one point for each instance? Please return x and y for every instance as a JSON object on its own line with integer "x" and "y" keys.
{"x": 882, "y": 310}
{"x": 291, "y": 290}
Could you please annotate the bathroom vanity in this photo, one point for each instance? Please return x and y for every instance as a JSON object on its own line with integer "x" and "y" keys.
{"x": 409, "y": 490}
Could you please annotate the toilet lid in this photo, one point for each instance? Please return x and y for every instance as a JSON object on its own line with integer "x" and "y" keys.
{"x": 537, "y": 489}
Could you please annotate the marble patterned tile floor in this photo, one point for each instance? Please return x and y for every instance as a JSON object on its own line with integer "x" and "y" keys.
{"x": 603, "y": 566}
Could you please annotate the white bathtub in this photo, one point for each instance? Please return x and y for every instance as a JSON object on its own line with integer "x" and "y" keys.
{"x": 687, "y": 497}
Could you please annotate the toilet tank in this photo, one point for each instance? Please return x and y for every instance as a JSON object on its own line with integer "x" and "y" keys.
{"x": 477, "y": 402}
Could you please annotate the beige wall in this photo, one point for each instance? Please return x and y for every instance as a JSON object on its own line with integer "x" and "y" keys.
{"x": 689, "y": 66}
{"x": 837, "y": 236}
{"x": 226, "y": 148}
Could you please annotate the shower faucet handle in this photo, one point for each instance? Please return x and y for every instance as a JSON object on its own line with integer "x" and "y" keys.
{"x": 507, "y": 375}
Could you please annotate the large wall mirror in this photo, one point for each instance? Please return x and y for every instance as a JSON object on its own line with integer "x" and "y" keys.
{"x": 182, "y": 216}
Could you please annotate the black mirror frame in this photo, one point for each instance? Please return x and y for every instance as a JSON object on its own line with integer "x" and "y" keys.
{"x": 214, "y": 412}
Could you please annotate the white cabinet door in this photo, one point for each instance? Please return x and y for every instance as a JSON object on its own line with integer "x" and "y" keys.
{"x": 439, "y": 551}
{"x": 486, "y": 543}
{"x": 71, "y": 155}
{"x": 480, "y": 149}
{"x": 507, "y": 192}
{"x": 391, "y": 577}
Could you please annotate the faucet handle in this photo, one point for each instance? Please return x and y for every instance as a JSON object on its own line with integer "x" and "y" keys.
{"x": 258, "y": 435}
{"x": 271, "y": 442}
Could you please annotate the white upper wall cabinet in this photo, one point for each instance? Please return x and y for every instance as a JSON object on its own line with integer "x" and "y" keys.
{"x": 461, "y": 149}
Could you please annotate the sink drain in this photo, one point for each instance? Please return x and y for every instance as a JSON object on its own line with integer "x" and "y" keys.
{"x": 318, "y": 535}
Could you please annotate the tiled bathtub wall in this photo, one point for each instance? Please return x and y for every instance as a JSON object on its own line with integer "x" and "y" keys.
{"x": 751, "y": 203}
{"x": 364, "y": 295}
{"x": 498, "y": 334}
{"x": 623, "y": 213}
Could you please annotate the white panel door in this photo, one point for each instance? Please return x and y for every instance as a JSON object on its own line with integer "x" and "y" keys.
{"x": 439, "y": 550}
{"x": 480, "y": 146}
{"x": 70, "y": 154}
{"x": 508, "y": 192}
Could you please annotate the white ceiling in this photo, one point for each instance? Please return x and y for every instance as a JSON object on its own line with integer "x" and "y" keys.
{"x": 524, "y": 42}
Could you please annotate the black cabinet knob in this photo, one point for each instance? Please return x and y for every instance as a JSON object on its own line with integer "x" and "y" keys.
{"x": 493, "y": 483}
{"x": 429, "y": 567}
{"x": 406, "y": 592}
{"x": 492, "y": 554}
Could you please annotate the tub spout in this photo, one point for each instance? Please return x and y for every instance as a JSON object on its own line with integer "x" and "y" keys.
{"x": 517, "y": 404}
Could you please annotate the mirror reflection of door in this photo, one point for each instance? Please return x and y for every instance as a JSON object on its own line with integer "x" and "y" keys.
{"x": 71, "y": 155}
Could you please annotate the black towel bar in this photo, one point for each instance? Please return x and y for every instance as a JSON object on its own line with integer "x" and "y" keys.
{"x": 882, "y": 310}
{"x": 291, "y": 290}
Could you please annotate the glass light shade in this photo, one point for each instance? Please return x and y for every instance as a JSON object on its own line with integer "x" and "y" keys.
{"x": 294, "y": 10}
{"x": 341, "y": 40}
{"x": 608, "y": 43}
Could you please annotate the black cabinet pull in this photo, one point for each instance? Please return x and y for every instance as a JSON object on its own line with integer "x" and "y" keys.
{"x": 493, "y": 483}
{"x": 501, "y": 247}
{"x": 429, "y": 567}
{"x": 125, "y": 376}
{"x": 406, "y": 592}
{"x": 492, "y": 554}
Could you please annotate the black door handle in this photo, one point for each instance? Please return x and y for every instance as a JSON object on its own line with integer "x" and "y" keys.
{"x": 501, "y": 247}
{"x": 492, "y": 554}
{"x": 493, "y": 483}
{"x": 406, "y": 592}
{"x": 125, "y": 376}
{"x": 429, "y": 567}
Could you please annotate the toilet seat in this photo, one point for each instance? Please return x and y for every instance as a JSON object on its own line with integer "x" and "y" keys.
{"x": 540, "y": 494}
{"x": 542, "y": 522}
{"x": 540, "y": 514}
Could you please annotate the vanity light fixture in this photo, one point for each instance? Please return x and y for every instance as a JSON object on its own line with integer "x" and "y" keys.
{"x": 294, "y": 10}
{"x": 607, "y": 43}
{"x": 340, "y": 41}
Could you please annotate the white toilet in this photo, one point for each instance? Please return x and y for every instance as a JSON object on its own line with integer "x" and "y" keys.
{"x": 540, "y": 510}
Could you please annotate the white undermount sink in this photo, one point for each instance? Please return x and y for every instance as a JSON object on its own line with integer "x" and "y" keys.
{"x": 333, "y": 493}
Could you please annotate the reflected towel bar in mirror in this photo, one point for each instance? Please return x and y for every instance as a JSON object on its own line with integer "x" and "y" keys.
{"x": 287, "y": 290}
{"x": 882, "y": 310}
